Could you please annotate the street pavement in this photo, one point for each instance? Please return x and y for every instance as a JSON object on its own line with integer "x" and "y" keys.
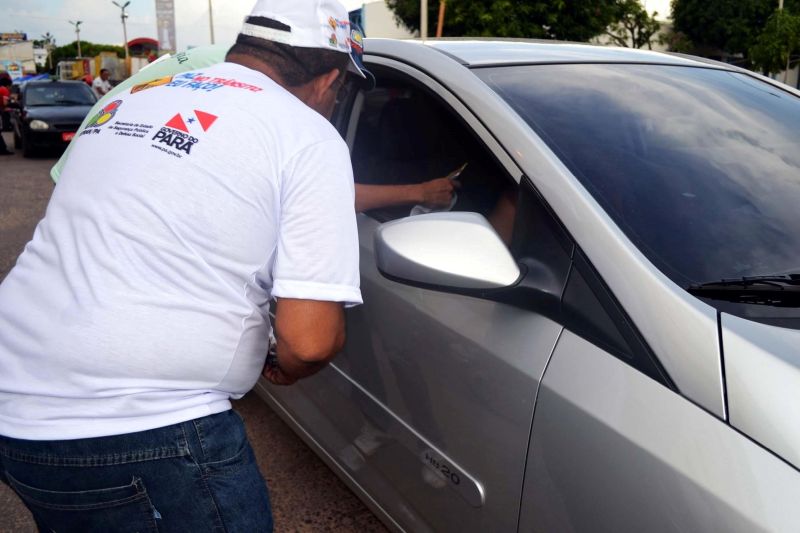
{"x": 306, "y": 495}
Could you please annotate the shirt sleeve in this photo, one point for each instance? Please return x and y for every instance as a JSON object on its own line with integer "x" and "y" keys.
{"x": 317, "y": 252}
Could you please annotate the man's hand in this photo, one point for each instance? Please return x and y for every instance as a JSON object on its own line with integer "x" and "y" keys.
{"x": 272, "y": 371}
{"x": 437, "y": 193}
{"x": 276, "y": 376}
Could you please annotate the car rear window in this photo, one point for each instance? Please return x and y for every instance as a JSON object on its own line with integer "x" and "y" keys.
{"x": 698, "y": 166}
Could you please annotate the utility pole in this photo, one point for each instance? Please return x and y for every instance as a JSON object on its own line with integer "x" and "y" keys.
{"x": 123, "y": 16}
{"x": 77, "y": 34}
{"x": 423, "y": 19}
{"x": 440, "y": 23}
{"x": 789, "y": 54}
{"x": 211, "y": 21}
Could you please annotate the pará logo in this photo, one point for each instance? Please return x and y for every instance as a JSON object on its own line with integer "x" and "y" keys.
{"x": 177, "y": 132}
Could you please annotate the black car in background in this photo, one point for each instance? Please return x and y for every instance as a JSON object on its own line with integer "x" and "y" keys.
{"x": 48, "y": 113}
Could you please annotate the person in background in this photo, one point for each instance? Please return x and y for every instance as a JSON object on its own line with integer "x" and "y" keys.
{"x": 87, "y": 79}
{"x": 5, "y": 95}
{"x": 130, "y": 321}
{"x": 101, "y": 85}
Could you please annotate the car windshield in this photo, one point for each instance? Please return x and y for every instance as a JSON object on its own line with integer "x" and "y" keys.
{"x": 58, "y": 94}
{"x": 699, "y": 167}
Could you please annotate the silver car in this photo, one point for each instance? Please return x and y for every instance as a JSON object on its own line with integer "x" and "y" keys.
{"x": 603, "y": 333}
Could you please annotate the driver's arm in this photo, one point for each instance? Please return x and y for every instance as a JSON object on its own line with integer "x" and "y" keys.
{"x": 434, "y": 193}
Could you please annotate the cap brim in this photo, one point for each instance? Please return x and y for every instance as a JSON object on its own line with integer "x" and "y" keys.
{"x": 366, "y": 79}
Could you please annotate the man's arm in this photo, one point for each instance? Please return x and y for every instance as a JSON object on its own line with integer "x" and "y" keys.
{"x": 434, "y": 193}
{"x": 309, "y": 334}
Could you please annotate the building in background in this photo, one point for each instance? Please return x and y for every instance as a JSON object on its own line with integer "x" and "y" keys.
{"x": 377, "y": 20}
{"x": 143, "y": 47}
{"x": 16, "y": 54}
{"x": 40, "y": 56}
{"x": 165, "y": 26}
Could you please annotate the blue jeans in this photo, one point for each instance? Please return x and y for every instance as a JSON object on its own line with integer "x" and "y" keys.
{"x": 196, "y": 476}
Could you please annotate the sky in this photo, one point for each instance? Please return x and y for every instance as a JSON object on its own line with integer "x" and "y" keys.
{"x": 101, "y": 19}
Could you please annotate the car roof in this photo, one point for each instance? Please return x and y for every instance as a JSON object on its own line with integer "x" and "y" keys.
{"x": 481, "y": 52}
{"x": 55, "y": 82}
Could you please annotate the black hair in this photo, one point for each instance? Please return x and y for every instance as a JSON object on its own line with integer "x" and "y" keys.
{"x": 103, "y": 70}
{"x": 5, "y": 82}
{"x": 296, "y": 65}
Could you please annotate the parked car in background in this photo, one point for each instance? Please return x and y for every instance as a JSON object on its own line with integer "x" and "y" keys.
{"x": 48, "y": 113}
{"x": 631, "y": 360}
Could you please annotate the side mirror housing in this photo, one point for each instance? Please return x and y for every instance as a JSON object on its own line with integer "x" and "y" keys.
{"x": 453, "y": 251}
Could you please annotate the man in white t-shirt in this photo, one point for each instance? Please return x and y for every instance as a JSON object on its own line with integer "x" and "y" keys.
{"x": 139, "y": 308}
{"x": 101, "y": 85}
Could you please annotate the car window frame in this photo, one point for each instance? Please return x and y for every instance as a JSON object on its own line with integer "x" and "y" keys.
{"x": 641, "y": 356}
{"x": 454, "y": 104}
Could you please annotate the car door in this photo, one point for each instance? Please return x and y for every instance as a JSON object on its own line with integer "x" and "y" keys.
{"x": 428, "y": 409}
{"x": 444, "y": 383}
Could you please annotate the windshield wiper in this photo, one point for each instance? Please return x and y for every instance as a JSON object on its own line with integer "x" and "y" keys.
{"x": 782, "y": 290}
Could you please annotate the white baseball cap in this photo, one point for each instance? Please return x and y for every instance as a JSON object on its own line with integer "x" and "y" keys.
{"x": 321, "y": 24}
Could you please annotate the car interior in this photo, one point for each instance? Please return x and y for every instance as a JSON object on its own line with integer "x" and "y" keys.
{"x": 400, "y": 133}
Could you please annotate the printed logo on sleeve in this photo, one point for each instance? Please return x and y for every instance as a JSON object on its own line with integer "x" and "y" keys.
{"x": 150, "y": 84}
{"x": 105, "y": 114}
{"x": 178, "y": 134}
{"x": 102, "y": 117}
{"x": 197, "y": 81}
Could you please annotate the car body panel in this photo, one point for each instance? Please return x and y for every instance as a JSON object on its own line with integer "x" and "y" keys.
{"x": 612, "y": 450}
{"x": 762, "y": 367}
{"x": 279, "y": 399}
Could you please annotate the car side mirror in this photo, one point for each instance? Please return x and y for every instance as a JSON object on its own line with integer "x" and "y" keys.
{"x": 459, "y": 252}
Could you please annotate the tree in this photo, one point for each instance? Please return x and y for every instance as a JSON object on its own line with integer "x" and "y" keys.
{"x": 634, "y": 28}
{"x": 676, "y": 41}
{"x": 723, "y": 27}
{"x": 776, "y": 43}
{"x": 70, "y": 51}
{"x": 573, "y": 20}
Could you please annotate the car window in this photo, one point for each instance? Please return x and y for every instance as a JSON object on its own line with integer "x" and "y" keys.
{"x": 406, "y": 135}
{"x": 58, "y": 94}
{"x": 699, "y": 167}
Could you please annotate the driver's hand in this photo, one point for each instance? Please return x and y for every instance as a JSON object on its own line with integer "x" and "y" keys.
{"x": 437, "y": 193}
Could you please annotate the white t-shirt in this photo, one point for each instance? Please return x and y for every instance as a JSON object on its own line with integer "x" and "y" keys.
{"x": 100, "y": 87}
{"x": 184, "y": 207}
{"x": 197, "y": 58}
